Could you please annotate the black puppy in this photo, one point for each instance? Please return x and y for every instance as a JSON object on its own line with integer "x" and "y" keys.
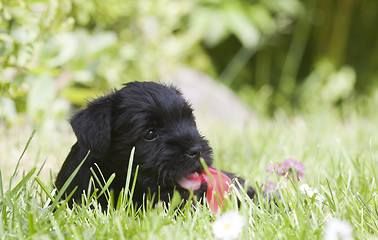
{"x": 158, "y": 122}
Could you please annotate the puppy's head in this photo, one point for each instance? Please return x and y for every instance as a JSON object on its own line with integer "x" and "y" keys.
{"x": 153, "y": 118}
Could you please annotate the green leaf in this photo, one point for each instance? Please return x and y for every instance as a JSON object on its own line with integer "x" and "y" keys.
{"x": 78, "y": 96}
{"x": 217, "y": 29}
{"x": 242, "y": 27}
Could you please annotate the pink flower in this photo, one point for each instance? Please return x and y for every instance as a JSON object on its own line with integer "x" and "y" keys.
{"x": 270, "y": 189}
{"x": 290, "y": 167}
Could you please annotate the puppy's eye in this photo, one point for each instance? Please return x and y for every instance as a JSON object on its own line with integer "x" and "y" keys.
{"x": 150, "y": 135}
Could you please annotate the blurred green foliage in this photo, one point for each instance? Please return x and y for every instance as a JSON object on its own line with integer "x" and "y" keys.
{"x": 291, "y": 54}
{"x": 327, "y": 58}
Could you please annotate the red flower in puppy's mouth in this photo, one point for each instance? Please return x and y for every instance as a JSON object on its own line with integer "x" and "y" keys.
{"x": 218, "y": 186}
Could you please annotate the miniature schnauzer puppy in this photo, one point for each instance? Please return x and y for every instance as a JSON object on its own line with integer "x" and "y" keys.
{"x": 159, "y": 123}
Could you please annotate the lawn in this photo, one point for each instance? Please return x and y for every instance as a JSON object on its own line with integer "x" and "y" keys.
{"x": 339, "y": 156}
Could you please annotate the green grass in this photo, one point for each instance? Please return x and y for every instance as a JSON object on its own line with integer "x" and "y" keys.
{"x": 340, "y": 158}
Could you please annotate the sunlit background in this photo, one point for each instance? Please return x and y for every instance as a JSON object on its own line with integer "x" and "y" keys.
{"x": 279, "y": 57}
{"x": 276, "y": 84}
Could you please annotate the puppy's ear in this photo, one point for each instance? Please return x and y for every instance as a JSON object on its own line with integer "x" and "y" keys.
{"x": 92, "y": 126}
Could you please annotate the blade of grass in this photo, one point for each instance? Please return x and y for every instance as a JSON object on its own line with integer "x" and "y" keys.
{"x": 107, "y": 184}
{"x": 95, "y": 177}
{"x": 58, "y": 232}
{"x": 44, "y": 188}
{"x": 31, "y": 226}
{"x": 67, "y": 183}
{"x": 282, "y": 199}
{"x": 330, "y": 197}
{"x": 88, "y": 203}
{"x": 175, "y": 201}
{"x": 19, "y": 160}
{"x": 22, "y": 182}
{"x": 210, "y": 178}
{"x": 371, "y": 162}
{"x": 130, "y": 205}
{"x": 64, "y": 203}
{"x": 38, "y": 173}
{"x": 128, "y": 176}
{"x": 120, "y": 229}
{"x": 212, "y": 182}
{"x": 42, "y": 166}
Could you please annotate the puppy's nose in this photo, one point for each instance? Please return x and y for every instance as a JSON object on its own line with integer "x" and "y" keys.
{"x": 195, "y": 151}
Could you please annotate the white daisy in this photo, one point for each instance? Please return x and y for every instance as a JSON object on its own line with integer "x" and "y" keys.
{"x": 305, "y": 189}
{"x": 228, "y": 226}
{"x": 337, "y": 229}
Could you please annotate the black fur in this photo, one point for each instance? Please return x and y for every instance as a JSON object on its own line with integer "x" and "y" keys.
{"x": 153, "y": 118}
